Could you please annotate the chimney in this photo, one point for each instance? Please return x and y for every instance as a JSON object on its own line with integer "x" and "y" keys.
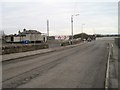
{"x": 24, "y": 30}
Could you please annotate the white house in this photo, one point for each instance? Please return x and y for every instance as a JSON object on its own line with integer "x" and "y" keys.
{"x": 27, "y": 35}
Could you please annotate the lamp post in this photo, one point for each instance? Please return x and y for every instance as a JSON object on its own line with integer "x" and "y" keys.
{"x": 47, "y": 29}
{"x": 82, "y": 31}
{"x": 72, "y": 24}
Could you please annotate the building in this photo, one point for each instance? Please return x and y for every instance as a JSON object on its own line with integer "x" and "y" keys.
{"x": 27, "y": 35}
{"x": 62, "y": 37}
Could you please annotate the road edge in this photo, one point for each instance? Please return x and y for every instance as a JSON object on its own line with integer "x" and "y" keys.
{"x": 107, "y": 70}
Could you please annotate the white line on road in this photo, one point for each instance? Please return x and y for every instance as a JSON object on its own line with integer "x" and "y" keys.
{"x": 107, "y": 72}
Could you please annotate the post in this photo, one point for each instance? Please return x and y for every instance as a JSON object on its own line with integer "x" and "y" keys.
{"x": 48, "y": 29}
{"x": 72, "y": 26}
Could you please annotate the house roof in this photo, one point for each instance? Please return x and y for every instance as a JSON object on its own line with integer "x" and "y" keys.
{"x": 30, "y": 32}
{"x": 14, "y": 35}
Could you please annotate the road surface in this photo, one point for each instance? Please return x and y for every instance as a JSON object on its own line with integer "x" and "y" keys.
{"x": 83, "y": 66}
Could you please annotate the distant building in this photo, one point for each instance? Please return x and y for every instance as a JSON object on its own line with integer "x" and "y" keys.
{"x": 51, "y": 37}
{"x": 63, "y": 37}
{"x": 27, "y": 35}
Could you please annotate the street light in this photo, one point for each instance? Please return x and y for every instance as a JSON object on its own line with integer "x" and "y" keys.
{"x": 82, "y": 30}
{"x": 47, "y": 29}
{"x": 72, "y": 24}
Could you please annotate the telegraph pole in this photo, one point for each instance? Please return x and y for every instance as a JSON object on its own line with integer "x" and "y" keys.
{"x": 72, "y": 26}
{"x": 47, "y": 29}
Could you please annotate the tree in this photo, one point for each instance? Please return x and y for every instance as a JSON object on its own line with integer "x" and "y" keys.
{"x": 84, "y": 35}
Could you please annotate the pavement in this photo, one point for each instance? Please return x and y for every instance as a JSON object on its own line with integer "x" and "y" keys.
{"x": 114, "y": 67}
{"x": 30, "y": 53}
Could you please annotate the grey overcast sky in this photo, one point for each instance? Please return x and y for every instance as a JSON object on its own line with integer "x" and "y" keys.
{"x": 98, "y": 17}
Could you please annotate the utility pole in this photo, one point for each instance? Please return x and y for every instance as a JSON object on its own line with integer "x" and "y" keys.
{"x": 72, "y": 24}
{"x": 47, "y": 29}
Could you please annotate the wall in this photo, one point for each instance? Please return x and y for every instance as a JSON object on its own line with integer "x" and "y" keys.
{"x": 40, "y": 37}
{"x": 30, "y": 37}
{"x": 117, "y": 41}
{"x": 34, "y": 37}
{"x": 8, "y": 39}
{"x": 22, "y": 48}
{"x": 23, "y": 38}
{"x": 16, "y": 39}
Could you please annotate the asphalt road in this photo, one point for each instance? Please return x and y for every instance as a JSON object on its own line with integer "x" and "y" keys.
{"x": 83, "y": 66}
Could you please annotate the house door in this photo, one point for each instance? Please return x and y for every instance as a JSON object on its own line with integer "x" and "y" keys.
{"x": 44, "y": 39}
{"x": 12, "y": 39}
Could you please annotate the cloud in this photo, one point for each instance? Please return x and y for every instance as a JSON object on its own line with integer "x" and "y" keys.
{"x": 59, "y": 1}
{"x": 102, "y": 16}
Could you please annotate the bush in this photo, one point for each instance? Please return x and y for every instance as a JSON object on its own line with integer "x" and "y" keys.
{"x": 65, "y": 43}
